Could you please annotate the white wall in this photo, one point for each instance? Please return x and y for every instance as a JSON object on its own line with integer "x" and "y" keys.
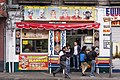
{"x": 10, "y": 40}
{"x": 101, "y": 15}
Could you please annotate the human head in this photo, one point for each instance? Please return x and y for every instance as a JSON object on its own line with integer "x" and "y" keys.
{"x": 65, "y": 13}
{"x": 64, "y": 49}
{"x": 41, "y": 12}
{"x": 97, "y": 49}
{"x": 88, "y": 14}
{"x": 53, "y": 13}
{"x": 75, "y": 43}
{"x": 30, "y": 12}
{"x": 93, "y": 48}
{"x": 84, "y": 48}
{"x": 77, "y": 12}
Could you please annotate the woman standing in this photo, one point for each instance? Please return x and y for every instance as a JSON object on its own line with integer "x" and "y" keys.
{"x": 83, "y": 59}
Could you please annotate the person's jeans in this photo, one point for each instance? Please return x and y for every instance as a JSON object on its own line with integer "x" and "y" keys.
{"x": 75, "y": 57}
{"x": 92, "y": 68}
{"x": 68, "y": 65}
{"x": 62, "y": 66}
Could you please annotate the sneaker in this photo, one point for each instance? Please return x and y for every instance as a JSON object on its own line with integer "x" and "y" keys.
{"x": 54, "y": 74}
{"x": 73, "y": 67}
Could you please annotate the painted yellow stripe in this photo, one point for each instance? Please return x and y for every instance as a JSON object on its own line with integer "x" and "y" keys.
{"x": 103, "y": 58}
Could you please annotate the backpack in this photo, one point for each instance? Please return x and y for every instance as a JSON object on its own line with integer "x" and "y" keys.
{"x": 83, "y": 57}
{"x": 90, "y": 56}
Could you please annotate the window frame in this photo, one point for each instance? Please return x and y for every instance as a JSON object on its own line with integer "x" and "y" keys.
{"x": 33, "y": 38}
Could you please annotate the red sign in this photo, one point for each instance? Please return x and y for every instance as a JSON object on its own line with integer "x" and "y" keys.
{"x": 33, "y": 62}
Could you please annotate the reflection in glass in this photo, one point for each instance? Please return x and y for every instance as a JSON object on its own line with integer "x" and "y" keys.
{"x": 35, "y": 46}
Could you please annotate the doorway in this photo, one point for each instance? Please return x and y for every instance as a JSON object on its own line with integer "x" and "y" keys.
{"x": 78, "y": 36}
{"x": 71, "y": 39}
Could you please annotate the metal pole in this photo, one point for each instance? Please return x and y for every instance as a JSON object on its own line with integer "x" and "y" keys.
{"x": 12, "y": 51}
{"x": 110, "y": 69}
{"x": 9, "y": 51}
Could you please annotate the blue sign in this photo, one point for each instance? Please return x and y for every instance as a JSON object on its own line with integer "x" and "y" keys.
{"x": 112, "y": 11}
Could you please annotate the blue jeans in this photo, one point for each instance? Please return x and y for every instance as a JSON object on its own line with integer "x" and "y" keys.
{"x": 92, "y": 68}
{"x": 68, "y": 65}
{"x": 76, "y": 63}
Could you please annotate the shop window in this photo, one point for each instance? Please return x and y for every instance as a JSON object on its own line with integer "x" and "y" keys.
{"x": 79, "y": 32}
{"x": 85, "y": 31}
{"x": 34, "y": 41}
{"x": 35, "y": 46}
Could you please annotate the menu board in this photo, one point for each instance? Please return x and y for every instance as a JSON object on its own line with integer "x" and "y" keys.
{"x": 88, "y": 39}
{"x": 41, "y": 34}
{"x": 33, "y": 62}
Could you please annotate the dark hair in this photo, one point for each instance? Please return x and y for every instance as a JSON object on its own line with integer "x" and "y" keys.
{"x": 93, "y": 48}
{"x": 63, "y": 48}
{"x": 88, "y": 12}
{"x": 84, "y": 48}
{"x": 30, "y": 12}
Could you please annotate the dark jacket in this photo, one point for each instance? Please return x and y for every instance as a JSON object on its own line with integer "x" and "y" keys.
{"x": 78, "y": 49}
{"x": 92, "y": 55}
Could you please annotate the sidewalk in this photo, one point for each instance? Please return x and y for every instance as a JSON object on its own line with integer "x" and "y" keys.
{"x": 59, "y": 76}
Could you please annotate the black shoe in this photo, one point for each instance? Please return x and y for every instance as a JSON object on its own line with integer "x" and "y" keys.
{"x": 54, "y": 74}
{"x": 66, "y": 76}
{"x": 83, "y": 74}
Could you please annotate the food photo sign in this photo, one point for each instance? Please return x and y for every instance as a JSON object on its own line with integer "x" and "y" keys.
{"x": 33, "y": 62}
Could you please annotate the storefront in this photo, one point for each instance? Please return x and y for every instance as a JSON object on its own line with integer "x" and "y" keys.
{"x": 39, "y": 38}
{"x": 109, "y": 20}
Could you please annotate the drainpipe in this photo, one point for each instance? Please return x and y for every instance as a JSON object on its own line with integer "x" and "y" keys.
{"x": 4, "y": 46}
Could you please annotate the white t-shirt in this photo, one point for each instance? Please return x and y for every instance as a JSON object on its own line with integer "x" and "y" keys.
{"x": 75, "y": 50}
{"x": 61, "y": 53}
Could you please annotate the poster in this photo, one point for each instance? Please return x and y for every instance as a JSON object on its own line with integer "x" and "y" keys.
{"x": 57, "y": 46}
{"x": 33, "y": 62}
{"x": 62, "y": 13}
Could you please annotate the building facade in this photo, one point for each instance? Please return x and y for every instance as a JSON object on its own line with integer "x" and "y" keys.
{"x": 3, "y": 16}
{"x": 39, "y": 32}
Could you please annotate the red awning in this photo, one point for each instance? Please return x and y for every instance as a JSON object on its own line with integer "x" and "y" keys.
{"x": 48, "y": 26}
